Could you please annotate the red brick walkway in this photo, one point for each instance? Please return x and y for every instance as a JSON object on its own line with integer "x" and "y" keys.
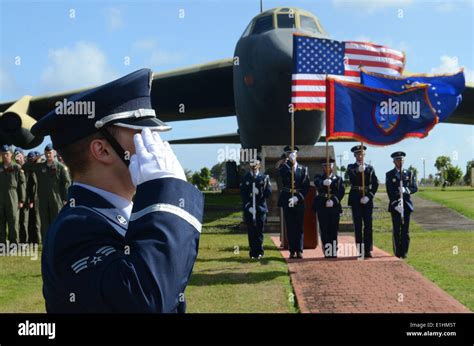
{"x": 383, "y": 283}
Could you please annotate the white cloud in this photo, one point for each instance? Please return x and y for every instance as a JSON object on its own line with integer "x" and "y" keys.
{"x": 451, "y": 64}
{"x": 79, "y": 66}
{"x": 372, "y": 6}
{"x": 113, "y": 18}
{"x": 154, "y": 55}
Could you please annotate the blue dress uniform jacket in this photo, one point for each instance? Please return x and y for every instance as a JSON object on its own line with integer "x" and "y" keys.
{"x": 392, "y": 181}
{"x": 371, "y": 184}
{"x": 301, "y": 184}
{"x": 94, "y": 260}
{"x": 362, "y": 213}
{"x": 401, "y": 230}
{"x": 294, "y": 216}
{"x": 337, "y": 192}
{"x": 262, "y": 183}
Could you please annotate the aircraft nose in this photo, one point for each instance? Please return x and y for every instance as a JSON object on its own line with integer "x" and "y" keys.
{"x": 282, "y": 52}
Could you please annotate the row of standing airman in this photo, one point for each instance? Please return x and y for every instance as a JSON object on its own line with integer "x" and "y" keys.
{"x": 255, "y": 189}
{"x": 32, "y": 192}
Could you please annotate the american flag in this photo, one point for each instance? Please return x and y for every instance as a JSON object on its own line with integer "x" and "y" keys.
{"x": 316, "y": 58}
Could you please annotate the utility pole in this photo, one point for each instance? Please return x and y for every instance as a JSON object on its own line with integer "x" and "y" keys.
{"x": 424, "y": 177}
{"x": 340, "y": 162}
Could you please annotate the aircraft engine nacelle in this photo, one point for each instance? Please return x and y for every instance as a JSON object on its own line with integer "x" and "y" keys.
{"x": 15, "y": 125}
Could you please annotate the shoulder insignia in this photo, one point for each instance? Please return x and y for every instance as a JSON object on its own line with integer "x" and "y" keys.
{"x": 93, "y": 260}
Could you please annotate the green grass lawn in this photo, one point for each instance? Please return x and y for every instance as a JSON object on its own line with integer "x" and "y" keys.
{"x": 432, "y": 253}
{"x": 224, "y": 278}
{"x": 460, "y": 199}
{"x": 21, "y": 284}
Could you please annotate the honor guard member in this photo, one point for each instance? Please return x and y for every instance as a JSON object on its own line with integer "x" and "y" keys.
{"x": 327, "y": 206}
{"x": 23, "y": 229}
{"x": 12, "y": 195}
{"x": 400, "y": 183}
{"x": 104, "y": 253}
{"x": 292, "y": 202}
{"x": 34, "y": 221}
{"x": 53, "y": 182}
{"x": 255, "y": 188}
{"x": 361, "y": 200}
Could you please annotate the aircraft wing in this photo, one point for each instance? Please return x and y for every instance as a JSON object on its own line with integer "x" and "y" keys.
{"x": 195, "y": 92}
{"x": 218, "y": 139}
{"x": 464, "y": 114}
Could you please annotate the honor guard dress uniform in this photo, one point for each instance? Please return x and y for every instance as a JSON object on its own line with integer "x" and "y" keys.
{"x": 34, "y": 220}
{"x": 255, "y": 188}
{"x": 293, "y": 210}
{"x": 104, "y": 253}
{"x": 53, "y": 182}
{"x": 327, "y": 206}
{"x": 395, "y": 191}
{"x": 24, "y": 211}
{"x": 12, "y": 193}
{"x": 362, "y": 203}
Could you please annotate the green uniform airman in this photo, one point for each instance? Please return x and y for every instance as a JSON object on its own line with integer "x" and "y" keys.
{"x": 53, "y": 182}
{"x": 12, "y": 194}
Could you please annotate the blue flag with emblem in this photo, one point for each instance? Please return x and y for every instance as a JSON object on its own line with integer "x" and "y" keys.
{"x": 377, "y": 116}
{"x": 444, "y": 91}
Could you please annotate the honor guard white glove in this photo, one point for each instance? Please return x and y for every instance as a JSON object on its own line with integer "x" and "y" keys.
{"x": 153, "y": 159}
{"x": 327, "y": 182}
{"x": 329, "y": 203}
{"x": 399, "y": 209}
{"x": 293, "y": 201}
{"x": 256, "y": 190}
{"x": 403, "y": 190}
{"x": 252, "y": 210}
{"x": 361, "y": 168}
{"x": 364, "y": 200}
{"x": 292, "y": 157}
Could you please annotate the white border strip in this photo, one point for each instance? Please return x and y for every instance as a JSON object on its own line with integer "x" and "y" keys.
{"x": 169, "y": 208}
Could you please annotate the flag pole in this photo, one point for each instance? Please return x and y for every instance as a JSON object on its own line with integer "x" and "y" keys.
{"x": 363, "y": 172}
{"x": 328, "y": 167}
{"x": 292, "y": 149}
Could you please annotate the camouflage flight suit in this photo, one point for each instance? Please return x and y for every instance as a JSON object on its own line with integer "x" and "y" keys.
{"x": 53, "y": 182}
{"x": 12, "y": 192}
{"x": 34, "y": 221}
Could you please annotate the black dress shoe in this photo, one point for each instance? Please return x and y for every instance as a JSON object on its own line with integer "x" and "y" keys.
{"x": 292, "y": 255}
{"x": 299, "y": 255}
{"x": 368, "y": 255}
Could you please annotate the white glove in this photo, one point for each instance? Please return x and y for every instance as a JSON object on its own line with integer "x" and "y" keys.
{"x": 327, "y": 182}
{"x": 252, "y": 210}
{"x": 329, "y": 203}
{"x": 403, "y": 190}
{"x": 255, "y": 190}
{"x": 292, "y": 157}
{"x": 293, "y": 201}
{"x": 364, "y": 200}
{"x": 153, "y": 159}
{"x": 399, "y": 209}
{"x": 361, "y": 168}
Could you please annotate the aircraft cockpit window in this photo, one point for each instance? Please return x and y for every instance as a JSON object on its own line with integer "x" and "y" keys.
{"x": 263, "y": 24}
{"x": 247, "y": 30}
{"x": 286, "y": 20}
{"x": 308, "y": 23}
